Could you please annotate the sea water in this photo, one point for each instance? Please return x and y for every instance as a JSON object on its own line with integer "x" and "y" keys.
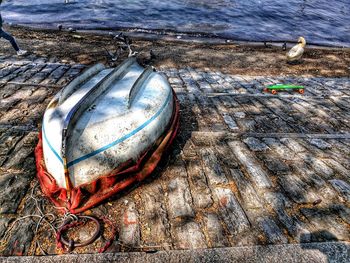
{"x": 323, "y": 22}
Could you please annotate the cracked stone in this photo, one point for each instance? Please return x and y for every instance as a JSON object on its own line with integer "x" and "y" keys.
{"x": 201, "y": 193}
{"x": 212, "y": 167}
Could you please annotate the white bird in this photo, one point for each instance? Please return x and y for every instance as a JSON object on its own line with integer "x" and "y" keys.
{"x": 297, "y": 51}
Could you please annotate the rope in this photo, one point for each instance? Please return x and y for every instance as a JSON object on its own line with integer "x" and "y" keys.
{"x": 74, "y": 222}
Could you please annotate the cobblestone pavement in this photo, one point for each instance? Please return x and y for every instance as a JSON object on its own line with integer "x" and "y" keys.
{"x": 247, "y": 168}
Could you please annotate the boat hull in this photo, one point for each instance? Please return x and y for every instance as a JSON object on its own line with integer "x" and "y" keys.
{"x": 106, "y": 142}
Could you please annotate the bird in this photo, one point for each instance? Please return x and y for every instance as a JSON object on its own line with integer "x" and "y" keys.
{"x": 297, "y": 51}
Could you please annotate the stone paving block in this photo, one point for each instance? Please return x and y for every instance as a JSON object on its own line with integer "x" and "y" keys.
{"x": 7, "y": 70}
{"x": 279, "y": 148}
{"x": 25, "y": 73}
{"x": 321, "y": 144}
{"x": 201, "y": 193}
{"x": 231, "y": 211}
{"x": 296, "y": 189}
{"x": 22, "y": 150}
{"x": 251, "y": 199}
{"x": 129, "y": 233}
{"x": 337, "y": 167}
{"x": 70, "y": 74}
{"x": 4, "y": 223}
{"x": 309, "y": 176}
{"x": 264, "y": 124}
{"x": 156, "y": 226}
{"x": 24, "y": 77}
{"x": 38, "y": 96}
{"x": 274, "y": 164}
{"x": 6, "y": 104}
{"x": 343, "y": 211}
{"x": 212, "y": 168}
{"x": 224, "y": 154}
{"x": 280, "y": 204}
{"x": 7, "y": 142}
{"x": 20, "y": 240}
{"x": 279, "y": 111}
{"x": 239, "y": 114}
{"x": 319, "y": 166}
{"x": 43, "y": 73}
{"x": 214, "y": 120}
{"x": 256, "y": 173}
{"x": 255, "y": 144}
{"x": 342, "y": 187}
{"x": 214, "y": 231}
{"x": 247, "y": 124}
{"x": 339, "y": 148}
{"x": 189, "y": 150}
{"x": 273, "y": 233}
{"x": 175, "y": 81}
{"x": 14, "y": 74}
{"x": 14, "y": 187}
{"x": 179, "y": 199}
{"x": 293, "y": 145}
{"x": 8, "y": 90}
{"x": 231, "y": 123}
{"x": 189, "y": 236}
{"x": 323, "y": 221}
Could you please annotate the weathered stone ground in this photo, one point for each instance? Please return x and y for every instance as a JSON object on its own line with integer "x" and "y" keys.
{"x": 247, "y": 168}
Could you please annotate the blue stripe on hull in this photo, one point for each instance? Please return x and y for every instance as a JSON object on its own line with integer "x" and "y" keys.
{"x": 50, "y": 146}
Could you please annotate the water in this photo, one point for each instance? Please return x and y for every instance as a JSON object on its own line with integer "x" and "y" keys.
{"x": 319, "y": 21}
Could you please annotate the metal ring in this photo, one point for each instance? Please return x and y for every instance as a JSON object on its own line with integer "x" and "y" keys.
{"x": 72, "y": 244}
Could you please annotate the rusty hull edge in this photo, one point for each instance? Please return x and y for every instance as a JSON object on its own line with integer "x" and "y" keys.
{"x": 307, "y": 252}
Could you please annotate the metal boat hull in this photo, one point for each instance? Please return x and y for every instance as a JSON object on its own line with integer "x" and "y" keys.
{"x": 105, "y": 122}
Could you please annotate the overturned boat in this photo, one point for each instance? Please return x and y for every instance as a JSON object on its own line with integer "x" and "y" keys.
{"x": 105, "y": 130}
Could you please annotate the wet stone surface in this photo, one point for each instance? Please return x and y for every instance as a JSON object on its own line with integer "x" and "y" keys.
{"x": 247, "y": 168}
